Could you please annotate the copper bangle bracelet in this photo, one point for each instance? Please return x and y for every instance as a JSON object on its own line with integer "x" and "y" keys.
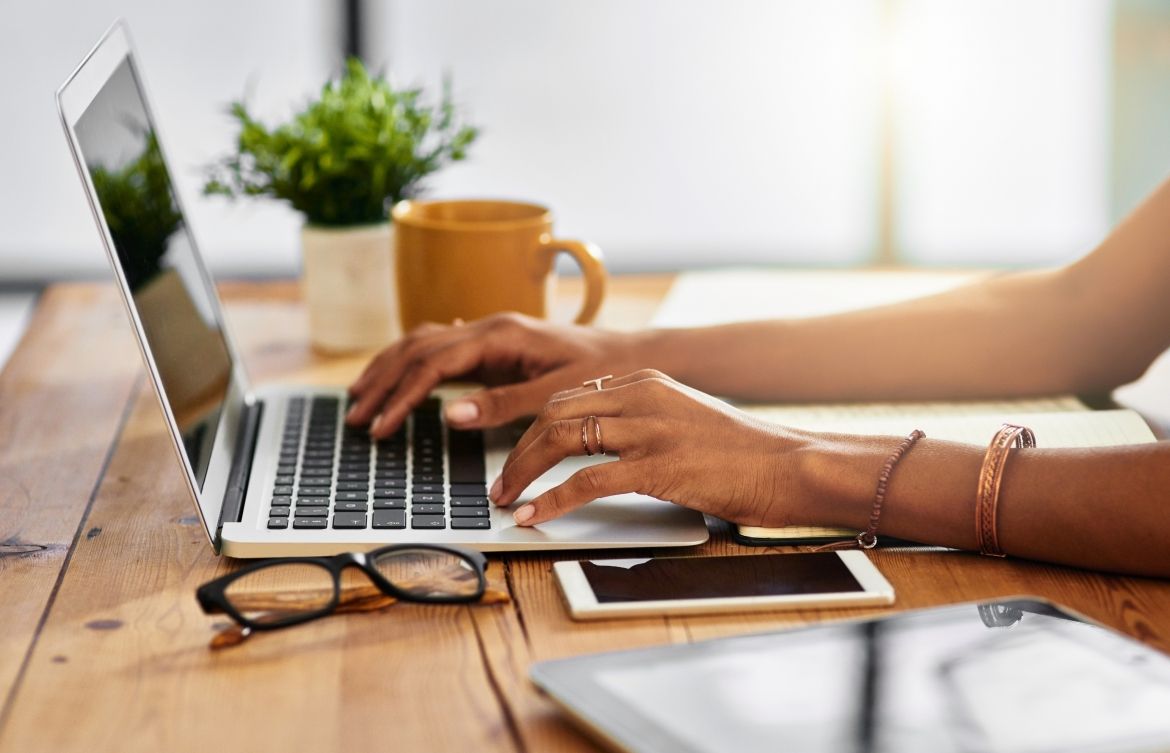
{"x": 990, "y": 481}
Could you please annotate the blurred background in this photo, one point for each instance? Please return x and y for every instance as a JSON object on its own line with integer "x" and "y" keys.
{"x": 673, "y": 133}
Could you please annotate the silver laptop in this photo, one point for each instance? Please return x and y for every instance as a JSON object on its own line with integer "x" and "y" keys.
{"x": 274, "y": 471}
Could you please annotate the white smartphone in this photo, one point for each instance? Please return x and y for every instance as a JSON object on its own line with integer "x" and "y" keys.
{"x": 596, "y": 589}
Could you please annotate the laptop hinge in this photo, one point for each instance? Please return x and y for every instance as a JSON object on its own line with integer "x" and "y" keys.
{"x": 241, "y": 470}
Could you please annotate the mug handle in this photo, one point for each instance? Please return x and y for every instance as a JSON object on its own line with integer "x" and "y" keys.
{"x": 588, "y": 258}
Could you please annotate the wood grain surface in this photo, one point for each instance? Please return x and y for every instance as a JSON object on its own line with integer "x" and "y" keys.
{"x": 105, "y": 649}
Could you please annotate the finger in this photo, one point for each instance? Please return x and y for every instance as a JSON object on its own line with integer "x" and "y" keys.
{"x": 384, "y": 371}
{"x": 618, "y": 381}
{"x": 605, "y": 403}
{"x": 373, "y": 400}
{"x": 423, "y": 375}
{"x": 499, "y": 405}
{"x": 561, "y": 440}
{"x": 584, "y": 486}
{"x": 427, "y": 329}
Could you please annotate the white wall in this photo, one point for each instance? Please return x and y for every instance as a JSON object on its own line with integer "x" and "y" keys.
{"x": 196, "y": 57}
{"x": 672, "y": 132}
{"x": 1003, "y": 142}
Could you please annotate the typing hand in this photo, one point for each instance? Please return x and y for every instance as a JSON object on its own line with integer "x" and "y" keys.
{"x": 524, "y": 360}
{"x": 674, "y": 443}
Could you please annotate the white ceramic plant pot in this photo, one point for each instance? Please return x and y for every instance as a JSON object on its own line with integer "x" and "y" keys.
{"x": 349, "y": 287}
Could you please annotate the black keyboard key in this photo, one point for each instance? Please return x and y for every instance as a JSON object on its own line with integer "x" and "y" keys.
{"x": 316, "y": 523}
{"x": 389, "y": 504}
{"x": 350, "y": 467}
{"x": 278, "y": 512}
{"x": 465, "y": 450}
{"x": 470, "y": 512}
{"x": 352, "y": 496}
{"x": 427, "y": 489}
{"x": 282, "y": 491}
{"x": 427, "y": 510}
{"x": 312, "y": 501}
{"x": 317, "y": 473}
{"x": 317, "y": 463}
{"x": 349, "y": 520}
{"x": 390, "y": 519}
{"x": 281, "y": 501}
{"x": 389, "y": 494}
{"x": 424, "y": 468}
{"x": 278, "y": 523}
{"x": 468, "y": 490}
{"x": 313, "y": 491}
{"x": 353, "y": 486}
{"x": 469, "y": 502}
{"x": 428, "y": 521}
{"x": 351, "y": 476}
{"x": 397, "y": 473}
{"x": 470, "y": 523}
{"x": 389, "y": 483}
{"x": 316, "y": 481}
{"x": 350, "y": 506}
{"x": 286, "y": 470}
{"x": 421, "y": 499}
{"x": 312, "y": 512}
{"x": 428, "y": 478}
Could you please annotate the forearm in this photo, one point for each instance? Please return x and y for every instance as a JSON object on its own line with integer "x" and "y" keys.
{"x": 1018, "y": 334}
{"x": 1100, "y": 508}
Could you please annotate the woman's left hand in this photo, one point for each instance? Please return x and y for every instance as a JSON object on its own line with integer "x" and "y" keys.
{"x": 674, "y": 443}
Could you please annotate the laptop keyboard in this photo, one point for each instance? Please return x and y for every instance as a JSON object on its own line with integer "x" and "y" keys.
{"x": 333, "y": 476}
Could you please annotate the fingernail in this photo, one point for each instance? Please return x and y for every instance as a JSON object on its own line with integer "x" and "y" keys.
{"x": 462, "y": 411}
{"x": 376, "y": 423}
{"x": 353, "y": 409}
{"x": 523, "y": 515}
{"x": 497, "y": 486}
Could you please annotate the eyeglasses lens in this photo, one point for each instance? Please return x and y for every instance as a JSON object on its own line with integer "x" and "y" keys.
{"x": 281, "y": 591}
{"x": 425, "y": 573}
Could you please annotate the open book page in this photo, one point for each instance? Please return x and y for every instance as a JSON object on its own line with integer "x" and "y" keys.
{"x": 699, "y": 299}
{"x": 1083, "y": 428}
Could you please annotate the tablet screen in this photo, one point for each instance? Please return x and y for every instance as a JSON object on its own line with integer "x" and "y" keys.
{"x": 672, "y": 578}
{"x": 969, "y": 678}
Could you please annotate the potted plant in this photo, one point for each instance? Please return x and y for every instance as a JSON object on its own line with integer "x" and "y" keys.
{"x": 342, "y": 162}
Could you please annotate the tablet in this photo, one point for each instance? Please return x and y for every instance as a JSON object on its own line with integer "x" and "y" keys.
{"x": 605, "y": 588}
{"x": 1018, "y": 676}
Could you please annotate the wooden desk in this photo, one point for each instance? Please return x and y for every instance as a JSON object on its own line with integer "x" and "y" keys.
{"x": 103, "y": 648}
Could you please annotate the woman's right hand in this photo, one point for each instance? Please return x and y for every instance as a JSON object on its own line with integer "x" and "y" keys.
{"x": 522, "y": 361}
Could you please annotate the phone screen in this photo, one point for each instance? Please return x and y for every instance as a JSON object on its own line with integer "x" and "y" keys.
{"x": 672, "y": 578}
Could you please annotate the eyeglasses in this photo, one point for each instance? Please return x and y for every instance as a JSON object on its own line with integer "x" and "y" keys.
{"x": 281, "y": 593}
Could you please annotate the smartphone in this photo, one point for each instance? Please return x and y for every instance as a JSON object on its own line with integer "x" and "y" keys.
{"x": 596, "y": 589}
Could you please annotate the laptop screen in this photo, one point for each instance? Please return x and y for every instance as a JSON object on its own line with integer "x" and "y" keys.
{"x": 157, "y": 256}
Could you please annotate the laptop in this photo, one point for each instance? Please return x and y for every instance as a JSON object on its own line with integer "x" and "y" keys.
{"x": 273, "y": 470}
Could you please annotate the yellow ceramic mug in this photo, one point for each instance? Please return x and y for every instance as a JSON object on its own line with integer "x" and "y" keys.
{"x": 466, "y": 259}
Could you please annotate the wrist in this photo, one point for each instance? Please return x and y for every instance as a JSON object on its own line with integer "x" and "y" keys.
{"x": 839, "y": 474}
{"x": 661, "y": 349}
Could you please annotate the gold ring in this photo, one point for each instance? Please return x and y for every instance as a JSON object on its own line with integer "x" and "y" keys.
{"x": 597, "y": 432}
{"x": 585, "y": 436}
{"x": 596, "y": 382}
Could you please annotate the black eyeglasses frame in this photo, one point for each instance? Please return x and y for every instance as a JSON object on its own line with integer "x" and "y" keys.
{"x": 212, "y": 596}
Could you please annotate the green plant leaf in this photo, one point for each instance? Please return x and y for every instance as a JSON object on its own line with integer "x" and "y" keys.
{"x": 358, "y": 148}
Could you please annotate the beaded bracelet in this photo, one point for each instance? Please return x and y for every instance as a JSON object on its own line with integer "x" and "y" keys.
{"x": 868, "y": 539}
{"x": 990, "y": 480}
